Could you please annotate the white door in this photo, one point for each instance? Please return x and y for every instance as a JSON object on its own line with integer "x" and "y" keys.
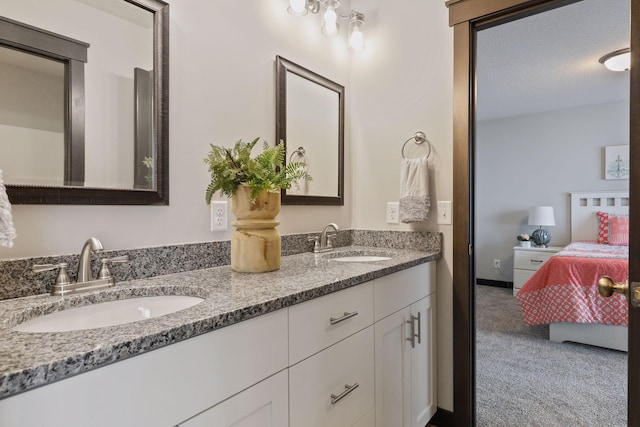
{"x": 266, "y": 404}
{"x": 392, "y": 367}
{"x": 423, "y": 372}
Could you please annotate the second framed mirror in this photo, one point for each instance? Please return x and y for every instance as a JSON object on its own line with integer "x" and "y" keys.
{"x": 310, "y": 122}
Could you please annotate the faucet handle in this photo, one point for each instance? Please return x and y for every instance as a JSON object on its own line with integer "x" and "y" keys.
{"x": 61, "y": 279}
{"x": 316, "y": 242}
{"x": 105, "y": 272}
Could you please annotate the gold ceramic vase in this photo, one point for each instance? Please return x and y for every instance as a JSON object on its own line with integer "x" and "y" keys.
{"x": 255, "y": 245}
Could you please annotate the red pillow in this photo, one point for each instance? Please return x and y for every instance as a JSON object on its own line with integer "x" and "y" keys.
{"x": 619, "y": 230}
{"x": 603, "y": 227}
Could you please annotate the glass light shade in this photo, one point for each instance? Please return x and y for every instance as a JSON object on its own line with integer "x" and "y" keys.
{"x": 542, "y": 215}
{"x": 356, "y": 38}
{"x": 297, "y": 7}
{"x": 620, "y": 60}
{"x": 329, "y": 15}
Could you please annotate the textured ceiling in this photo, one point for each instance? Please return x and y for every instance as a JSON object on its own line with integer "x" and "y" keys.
{"x": 549, "y": 61}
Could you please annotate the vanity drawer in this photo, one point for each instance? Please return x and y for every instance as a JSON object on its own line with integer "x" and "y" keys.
{"x": 528, "y": 260}
{"x": 321, "y": 322}
{"x": 398, "y": 290}
{"x": 327, "y": 373}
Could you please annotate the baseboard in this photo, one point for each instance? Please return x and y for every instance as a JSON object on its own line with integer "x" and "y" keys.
{"x": 442, "y": 418}
{"x": 495, "y": 283}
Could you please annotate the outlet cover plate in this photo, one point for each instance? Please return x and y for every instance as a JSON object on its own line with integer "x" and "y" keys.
{"x": 393, "y": 213}
{"x": 444, "y": 212}
{"x": 219, "y": 220}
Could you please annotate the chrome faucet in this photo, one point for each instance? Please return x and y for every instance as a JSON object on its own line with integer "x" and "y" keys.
{"x": 323, "y": 242}
{"x": 84, "y": 266}
{"x": 86, "y": 280}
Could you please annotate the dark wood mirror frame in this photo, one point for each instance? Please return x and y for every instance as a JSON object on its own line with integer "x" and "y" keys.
{"x": 19, "y": 194}
{"x": 284, "y": 66}
{"x": 467, "y": 17}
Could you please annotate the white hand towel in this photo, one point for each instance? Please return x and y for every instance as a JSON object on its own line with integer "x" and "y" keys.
{"x": 414, "y": 190}
{"x": 7, "y": 231}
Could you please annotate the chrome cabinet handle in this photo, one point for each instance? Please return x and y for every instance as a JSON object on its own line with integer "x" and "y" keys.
{"x": 412, "y": 335}
{"x": 537, "y": 261}
{"x": 347, "y": 315}
{"x": 349, "y": 388}
{"x": 419, "y": 319}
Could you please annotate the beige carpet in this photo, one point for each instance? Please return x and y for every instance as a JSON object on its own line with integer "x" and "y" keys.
{"x": 523, "y": 379}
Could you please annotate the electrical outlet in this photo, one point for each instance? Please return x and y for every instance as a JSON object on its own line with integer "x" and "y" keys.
{"x": 496, "y": 263}
{"x": 393, "y": 213}
{"x": 219, "y": 216}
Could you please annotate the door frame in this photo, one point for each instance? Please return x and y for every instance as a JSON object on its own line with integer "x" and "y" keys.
{"x": 467, "y": 17}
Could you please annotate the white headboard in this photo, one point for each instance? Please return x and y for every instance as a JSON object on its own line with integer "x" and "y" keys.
{"x": 584, "y": 223}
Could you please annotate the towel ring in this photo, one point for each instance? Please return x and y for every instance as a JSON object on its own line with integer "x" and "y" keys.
{"x": 419, "y": 137}
{"x": 300, "y": 152}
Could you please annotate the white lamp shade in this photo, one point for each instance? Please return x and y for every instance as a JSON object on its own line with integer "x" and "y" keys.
{"x": 542, "y": 216}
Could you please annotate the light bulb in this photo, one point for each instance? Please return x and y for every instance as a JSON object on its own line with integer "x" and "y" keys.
{"x": 330, "y": 18}
{"x": 297, "y": 7}
{"x": 356, "y": 38}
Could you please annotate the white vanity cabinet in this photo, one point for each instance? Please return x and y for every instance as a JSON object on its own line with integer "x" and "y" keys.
{"x": 342, "y": 359}
{"x": 405, "y": 371}
{"x": 163, "y": 387}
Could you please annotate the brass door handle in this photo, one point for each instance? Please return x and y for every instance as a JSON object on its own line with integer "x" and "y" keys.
{"x": 606, "y": 287}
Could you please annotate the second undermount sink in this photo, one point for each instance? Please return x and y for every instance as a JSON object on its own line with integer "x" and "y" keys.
{"x": 109, "y": 313}
{"x": 358, "y": 255}
{"x": 360, "y": 258}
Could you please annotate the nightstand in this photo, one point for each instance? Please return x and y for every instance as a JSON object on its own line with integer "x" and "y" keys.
{"x": 526, "y": 261}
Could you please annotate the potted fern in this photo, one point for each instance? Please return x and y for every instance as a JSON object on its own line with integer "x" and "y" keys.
{"x": 253, "y": 184}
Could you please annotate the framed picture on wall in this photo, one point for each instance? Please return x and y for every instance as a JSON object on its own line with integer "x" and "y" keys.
{"x": 616, "y": 162}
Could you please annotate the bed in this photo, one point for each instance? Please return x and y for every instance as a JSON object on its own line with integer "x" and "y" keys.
{"x": 563, "y": 292}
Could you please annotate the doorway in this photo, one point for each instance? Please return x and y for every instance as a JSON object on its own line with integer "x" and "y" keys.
{"x": 468, "y": 18}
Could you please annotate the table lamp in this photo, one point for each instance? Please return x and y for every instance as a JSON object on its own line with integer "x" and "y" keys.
{"x": 541, "y": 216}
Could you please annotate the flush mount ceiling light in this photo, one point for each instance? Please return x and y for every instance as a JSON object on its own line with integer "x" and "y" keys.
{"x": 620, "y": 60}
{"x": 330, "y": 19}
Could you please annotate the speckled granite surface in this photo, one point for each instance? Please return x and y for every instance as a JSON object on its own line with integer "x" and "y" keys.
{"x": 29, "y": 360}
{"x": 17, "y": 280}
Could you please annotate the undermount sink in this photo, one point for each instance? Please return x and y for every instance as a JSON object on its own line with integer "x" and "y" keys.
{"x": 358, "y": 255}
{"x": 360, "y": 258}
{"x": 109, "y": 313}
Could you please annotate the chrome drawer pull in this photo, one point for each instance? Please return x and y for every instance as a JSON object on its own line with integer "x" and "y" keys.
{"x": 419, "y": 319}
{"x": 346, "y": 316}
{"x": 349, "y": 388}
{"x": 539, "y": 261}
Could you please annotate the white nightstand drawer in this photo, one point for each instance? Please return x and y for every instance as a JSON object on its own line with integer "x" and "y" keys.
{"x": 520, "y": 277}
{"x": 530, "y": 260}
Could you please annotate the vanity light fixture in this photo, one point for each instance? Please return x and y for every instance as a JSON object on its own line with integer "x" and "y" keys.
{"x": 620, "y": 60}
{"x": 330, "y": 19}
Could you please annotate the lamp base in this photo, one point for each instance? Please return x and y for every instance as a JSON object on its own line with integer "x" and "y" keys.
{"x": 541, "y": 237}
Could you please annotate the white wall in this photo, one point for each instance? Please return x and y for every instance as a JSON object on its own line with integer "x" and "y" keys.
{"x": 537, "y": 160}
{"x": 403, "y": 83}
{"x": 222, "y": 89}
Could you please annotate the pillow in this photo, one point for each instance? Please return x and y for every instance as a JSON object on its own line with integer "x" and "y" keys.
{"x": 603, "y": 227}
{"x": 619, "y": 230}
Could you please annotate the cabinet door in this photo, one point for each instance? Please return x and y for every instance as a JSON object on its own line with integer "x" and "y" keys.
{"x": 392, "y": 370}
{"x": 266, "y": 404}
{"x": 423, "y": 368}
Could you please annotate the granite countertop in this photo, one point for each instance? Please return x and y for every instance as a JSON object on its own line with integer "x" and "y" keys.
{"x": 29, "y": 360}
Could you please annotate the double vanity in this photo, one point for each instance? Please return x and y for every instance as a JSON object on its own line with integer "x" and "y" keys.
{"x": 340, "y": 338}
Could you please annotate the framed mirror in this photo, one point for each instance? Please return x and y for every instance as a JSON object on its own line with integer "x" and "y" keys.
{"x": 84, "y": 117}
{"x": 310, "y": 122}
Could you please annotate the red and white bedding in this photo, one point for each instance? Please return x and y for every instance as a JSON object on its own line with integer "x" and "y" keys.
{"x": 565, "y": 288}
